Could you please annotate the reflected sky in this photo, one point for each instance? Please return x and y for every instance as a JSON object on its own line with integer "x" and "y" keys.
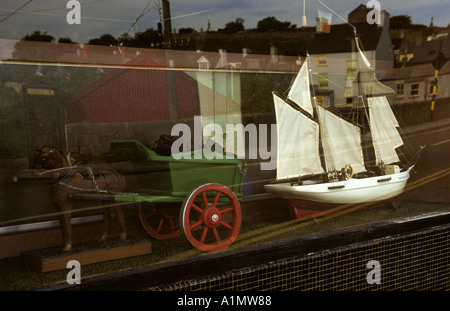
{"x": 21, "y": 17}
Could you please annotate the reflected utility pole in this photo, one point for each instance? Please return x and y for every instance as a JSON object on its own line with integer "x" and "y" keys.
{"x": 165, "y": 20}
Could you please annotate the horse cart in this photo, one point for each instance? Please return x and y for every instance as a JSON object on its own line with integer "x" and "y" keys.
{"x": 208, "y": 191}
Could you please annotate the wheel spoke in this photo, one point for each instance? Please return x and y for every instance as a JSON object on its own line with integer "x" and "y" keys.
{"x": 216, "y": 199}
{"x": 205, "y": 199}
{"x": 161, "y": 223}
{"x": 216, "y": 235}
{"x": 197, "y": 209}
{"x": 227, "y": 210}
{"x": 196, "y": 224}
{"x": 203, "y": 237}
{"x": 224, "y": 224}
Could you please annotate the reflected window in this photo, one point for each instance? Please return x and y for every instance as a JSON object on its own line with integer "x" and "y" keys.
{"x": 319, "y": 100}
{"x": 400, "y": 88}
{"x": 322, "y": 60}
{"x": 348, "y": 95}
{"x": 414, "y": 89}
{"x": 323, "y": 80}
{"x": 351, "y": 69}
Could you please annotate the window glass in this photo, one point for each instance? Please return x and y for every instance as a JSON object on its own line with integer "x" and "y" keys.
{"x": 170, "y": 113}
{"x": 351, "y": 69}
{"x": 323, "y": 60}
{"x": 323, "y": 80}
{"x": 400, "y": 88}
{"x": 414, "y": 89}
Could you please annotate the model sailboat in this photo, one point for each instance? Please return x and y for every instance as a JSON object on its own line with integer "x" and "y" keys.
{"x": 321, "y": 157}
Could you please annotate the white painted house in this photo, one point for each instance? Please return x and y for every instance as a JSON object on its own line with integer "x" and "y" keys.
{"x": 333, "y": 60}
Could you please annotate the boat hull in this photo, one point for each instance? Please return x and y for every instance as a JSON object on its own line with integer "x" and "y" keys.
{"x": 314, "y": 198}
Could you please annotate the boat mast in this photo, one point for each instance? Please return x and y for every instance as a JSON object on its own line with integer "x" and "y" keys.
{"x": 361, "y": 104}
{"x": 316, "y": 115}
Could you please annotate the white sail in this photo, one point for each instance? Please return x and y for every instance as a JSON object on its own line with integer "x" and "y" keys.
{"x": 384, "y": 131}
{"x": 341, "y": 142}
{"x": 298, "y": 142}
{"x": 366, "y": 83}
{"x": 299, "y": 92}
{"x": 363, "y": 62}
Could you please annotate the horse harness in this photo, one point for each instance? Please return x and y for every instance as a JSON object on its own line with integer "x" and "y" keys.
{"x": 87, "y": 174}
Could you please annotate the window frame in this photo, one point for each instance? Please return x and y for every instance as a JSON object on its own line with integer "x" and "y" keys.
{"x": 322, "y": 80}
{"x": 322, "y": 60}
{"x": 414, "y": 90}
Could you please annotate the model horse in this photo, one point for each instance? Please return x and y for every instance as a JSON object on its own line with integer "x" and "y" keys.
{"x": 66, "y": 180}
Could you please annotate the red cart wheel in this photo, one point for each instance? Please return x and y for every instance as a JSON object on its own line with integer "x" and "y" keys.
{"x": 157, "y": 222}
{"x": 211, "y": 217}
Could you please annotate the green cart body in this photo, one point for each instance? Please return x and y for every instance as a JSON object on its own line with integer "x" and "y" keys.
{"x": 166, "y": 179}
{"x": 209, "y": 191}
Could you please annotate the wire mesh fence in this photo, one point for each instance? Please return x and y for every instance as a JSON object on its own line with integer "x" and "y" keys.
{"x": 407, "y": 262}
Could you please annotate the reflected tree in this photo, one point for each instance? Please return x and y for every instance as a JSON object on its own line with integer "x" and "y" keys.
{"x": 273, "y": 24}
{"x": 39, "y": 36}
{"x": 105, "y": 39}
{"x": 233, "y": 27}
